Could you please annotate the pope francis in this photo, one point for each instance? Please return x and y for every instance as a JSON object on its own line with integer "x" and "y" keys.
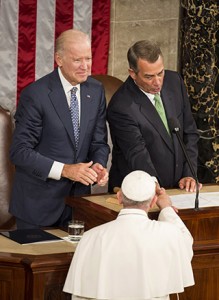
{"x": 133, "y": 257}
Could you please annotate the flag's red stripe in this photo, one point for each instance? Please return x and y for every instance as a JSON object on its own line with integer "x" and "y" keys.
{"x": 100, "y": 35}
{"x": 64, "y": 16}
{"x": 26, "y": 44}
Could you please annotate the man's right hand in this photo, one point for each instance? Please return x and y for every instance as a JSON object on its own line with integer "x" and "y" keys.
{"x": 163, "y": 199}
{"x": 80, "y": 172}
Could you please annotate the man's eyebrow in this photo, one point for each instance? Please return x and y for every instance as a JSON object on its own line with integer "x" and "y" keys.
{"x": 161, "y": 71}
{"x": 151, "y": 75}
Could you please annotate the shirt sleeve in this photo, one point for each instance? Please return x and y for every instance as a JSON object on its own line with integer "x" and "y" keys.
{"x": 56, "y": 170}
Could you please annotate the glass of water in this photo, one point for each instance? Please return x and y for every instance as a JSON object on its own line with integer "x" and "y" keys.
{"x": 75, "y": 230}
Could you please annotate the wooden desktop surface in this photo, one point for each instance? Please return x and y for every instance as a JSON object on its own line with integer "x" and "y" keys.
{"x": 11, "y": 247}
{"x": 98, "y": 209}
{"x": 38, "y": 272}
{"x": 203, "y": 225}
{"x": 34, "y": 271}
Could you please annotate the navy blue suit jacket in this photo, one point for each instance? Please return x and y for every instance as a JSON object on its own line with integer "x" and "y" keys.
{"x": 140, "y": 140}
{"x": 44, "y": 134}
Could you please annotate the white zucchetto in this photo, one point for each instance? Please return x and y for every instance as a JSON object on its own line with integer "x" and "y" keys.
{"x": 138, "y": 186}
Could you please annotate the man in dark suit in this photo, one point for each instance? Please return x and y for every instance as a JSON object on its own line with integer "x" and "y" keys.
{"x": 141, "y": 137}
{"x": 53, "y": 158}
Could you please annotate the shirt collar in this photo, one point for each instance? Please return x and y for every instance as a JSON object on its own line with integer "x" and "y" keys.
{"x": 65, "y": 83}
{"x": 132, "y": 211}
{"x": 150, "y": 96}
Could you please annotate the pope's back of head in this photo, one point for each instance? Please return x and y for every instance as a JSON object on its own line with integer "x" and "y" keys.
{"x": 138, "y": 186}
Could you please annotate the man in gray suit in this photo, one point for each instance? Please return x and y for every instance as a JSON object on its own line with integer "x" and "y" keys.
{"x": 55, "y": 155}
{"x": 141, "y": 137}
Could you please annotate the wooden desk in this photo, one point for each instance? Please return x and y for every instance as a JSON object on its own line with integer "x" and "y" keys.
{"x": 39, "y": 275}
{"x": 203, "y": 225}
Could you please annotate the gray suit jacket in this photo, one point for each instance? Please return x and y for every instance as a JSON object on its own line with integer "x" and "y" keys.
{"x": 140, "y": 140}
{"x": 44, "y": 134}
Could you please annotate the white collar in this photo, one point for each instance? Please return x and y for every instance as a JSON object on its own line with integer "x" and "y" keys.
{"x": 66, "y": 84}
{"x": 149, "y": 95}
{"x": 132, "y": 211}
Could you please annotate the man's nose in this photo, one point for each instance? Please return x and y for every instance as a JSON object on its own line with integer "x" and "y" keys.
{"x": 83, "y": 64}
{"x": 156, "y": 80}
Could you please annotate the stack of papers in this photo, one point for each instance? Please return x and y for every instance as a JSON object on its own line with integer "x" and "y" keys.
{"x": 188, "y": 200}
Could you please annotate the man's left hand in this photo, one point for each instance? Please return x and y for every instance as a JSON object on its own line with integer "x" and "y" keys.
{"x": 189, "y": 184}
{"x": 102, "y": 174}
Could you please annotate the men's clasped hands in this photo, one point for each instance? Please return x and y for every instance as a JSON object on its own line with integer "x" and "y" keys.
{"x": 86, "y": 173}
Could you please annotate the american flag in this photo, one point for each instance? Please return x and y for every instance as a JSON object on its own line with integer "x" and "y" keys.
{"x": 28, "y": 29}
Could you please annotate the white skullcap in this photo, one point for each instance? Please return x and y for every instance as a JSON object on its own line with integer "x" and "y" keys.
{"x": 138, "y": 186}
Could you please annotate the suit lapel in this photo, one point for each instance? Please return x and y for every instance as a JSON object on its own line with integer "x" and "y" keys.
{"x": 149, "y": 111}
{"x": 86, "y": 102}
{"x": 58, "y": 98}
{"x": 168, "y": 102}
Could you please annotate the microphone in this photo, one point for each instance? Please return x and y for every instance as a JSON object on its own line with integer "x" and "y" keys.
{"x": 175, "y": 128}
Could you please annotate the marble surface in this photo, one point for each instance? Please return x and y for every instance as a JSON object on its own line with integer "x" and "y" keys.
{"x": 143, "y": 19}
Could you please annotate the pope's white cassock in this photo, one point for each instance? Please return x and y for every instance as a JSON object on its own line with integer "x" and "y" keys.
{"x": 133, "y": 258}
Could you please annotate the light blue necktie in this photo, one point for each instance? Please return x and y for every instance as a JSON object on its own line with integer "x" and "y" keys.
{"x": 74, "y": 110}
{"x": 160, "y": 109}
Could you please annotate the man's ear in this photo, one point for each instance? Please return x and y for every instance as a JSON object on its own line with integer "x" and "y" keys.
{"x": 153, "y": 201}
{"x": 132, "y": 73}
{"x": 119, "y": 196}
{"x": 58, "y": 59}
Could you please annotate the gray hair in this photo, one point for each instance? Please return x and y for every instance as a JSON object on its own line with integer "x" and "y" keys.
{"x": 147, "y": 50}
{"x": 129, "y": 202}
{"x": 70, "y": 35}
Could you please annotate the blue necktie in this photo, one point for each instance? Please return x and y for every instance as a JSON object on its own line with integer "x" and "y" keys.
{"x": 74, "y": 110}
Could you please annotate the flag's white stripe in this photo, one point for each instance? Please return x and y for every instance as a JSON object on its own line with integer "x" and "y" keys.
{"x": 8, "y": 53}
{"x": 83, "y": 15}
{"x": 45, "y": 35}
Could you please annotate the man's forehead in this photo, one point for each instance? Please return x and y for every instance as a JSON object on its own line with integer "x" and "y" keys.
{"x": 150, "y": 68}
{"x": 154, "y": 73}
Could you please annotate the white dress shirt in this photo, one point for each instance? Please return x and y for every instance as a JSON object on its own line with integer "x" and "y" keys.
{"x": 56, "y": 169}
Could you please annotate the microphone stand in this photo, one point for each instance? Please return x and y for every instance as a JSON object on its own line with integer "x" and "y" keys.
{"x": 176, "y": 131}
